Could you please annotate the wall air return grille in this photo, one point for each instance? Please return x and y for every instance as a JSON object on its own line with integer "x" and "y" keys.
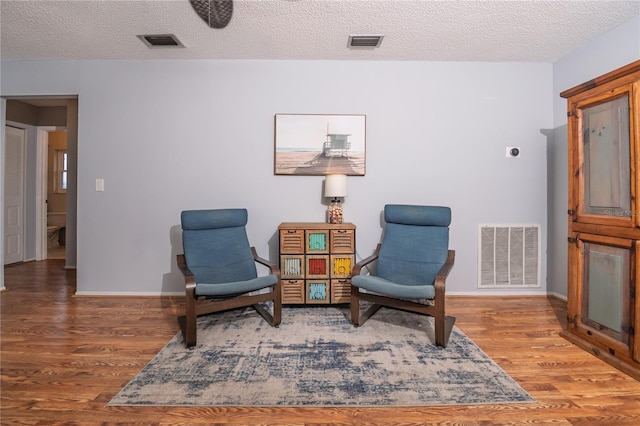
{"x": 509, "y": 256}
{"x": 364, "y": 41}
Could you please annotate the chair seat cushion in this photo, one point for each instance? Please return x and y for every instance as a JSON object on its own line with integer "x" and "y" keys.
{"x": 389, "y": 288}
{"x": 236, "y": 287}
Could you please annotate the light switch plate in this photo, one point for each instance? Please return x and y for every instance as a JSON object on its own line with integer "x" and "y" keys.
{"x": 99, "y": 185}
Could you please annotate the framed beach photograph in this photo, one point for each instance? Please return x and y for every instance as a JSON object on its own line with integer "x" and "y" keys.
{"x": 320, "y": 144}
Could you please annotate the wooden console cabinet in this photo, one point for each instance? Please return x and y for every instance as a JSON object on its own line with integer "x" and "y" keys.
{"x": 603, "y": 305}
{"x": 315, "y": 262}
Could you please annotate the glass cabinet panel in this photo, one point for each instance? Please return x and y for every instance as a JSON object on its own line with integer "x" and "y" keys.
{"x": 605, "y": 137}
{"x": 605, "y": 308}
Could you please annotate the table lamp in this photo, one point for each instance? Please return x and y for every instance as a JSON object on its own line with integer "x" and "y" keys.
{"x": 335, "y": 187}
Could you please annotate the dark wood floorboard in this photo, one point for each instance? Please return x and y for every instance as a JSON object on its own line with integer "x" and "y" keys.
{"x": 63, "y": 357}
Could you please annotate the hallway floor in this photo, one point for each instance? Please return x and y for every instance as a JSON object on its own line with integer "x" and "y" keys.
{"x": 56, "y": 252}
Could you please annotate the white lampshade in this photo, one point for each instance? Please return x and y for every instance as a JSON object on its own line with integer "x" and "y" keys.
{"x": 335, "y": 186}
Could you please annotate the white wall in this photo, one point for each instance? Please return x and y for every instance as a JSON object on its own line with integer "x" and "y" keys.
{"x": 172, "y": 135}
{"x": 614, "y": 49}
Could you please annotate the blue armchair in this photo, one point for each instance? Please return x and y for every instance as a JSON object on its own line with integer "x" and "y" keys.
{"x": 219, "y": 268}
{"x": 413, "y": 262}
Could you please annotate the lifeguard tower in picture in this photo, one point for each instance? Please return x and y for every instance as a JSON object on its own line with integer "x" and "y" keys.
{"x": 336, "y": 145}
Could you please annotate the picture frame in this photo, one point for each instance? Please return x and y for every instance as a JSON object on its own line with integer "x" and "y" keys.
{"x": 320, "y": 144}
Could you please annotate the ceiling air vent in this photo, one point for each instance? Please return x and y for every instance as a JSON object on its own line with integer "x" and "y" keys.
{"x": 365, "y": 41}
{"x": 157, "y": 41}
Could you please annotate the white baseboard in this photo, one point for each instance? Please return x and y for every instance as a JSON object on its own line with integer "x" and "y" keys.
{"x": 128, "y": 294}
{"x": 559, "y": 296}
{"x": 496, "y": 293}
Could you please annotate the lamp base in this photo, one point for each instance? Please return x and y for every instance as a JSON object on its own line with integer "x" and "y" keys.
{"x": 335, "y": 212}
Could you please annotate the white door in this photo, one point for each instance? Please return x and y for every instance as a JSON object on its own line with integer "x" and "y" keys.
{"x": 14, "y": 195}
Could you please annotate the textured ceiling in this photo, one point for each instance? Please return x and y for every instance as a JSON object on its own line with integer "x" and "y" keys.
{"x": 429, "y": 30}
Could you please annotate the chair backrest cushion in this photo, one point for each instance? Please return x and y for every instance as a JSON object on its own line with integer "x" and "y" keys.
{"x": 415, "y": 243}
{"x": 216, "y": 247}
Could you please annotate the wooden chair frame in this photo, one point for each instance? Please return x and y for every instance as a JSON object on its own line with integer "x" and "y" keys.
{"x": 435, "y": 308}
{"x": 196, "y": 306}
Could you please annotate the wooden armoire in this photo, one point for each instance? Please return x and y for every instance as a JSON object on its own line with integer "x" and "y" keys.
{"x": 603, "y": 307}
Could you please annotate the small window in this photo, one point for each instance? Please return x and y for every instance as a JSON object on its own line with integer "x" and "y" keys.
{"x": 61, "y": 172}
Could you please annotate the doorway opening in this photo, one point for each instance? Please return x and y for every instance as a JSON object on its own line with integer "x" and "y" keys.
{"x": 51, "y": 127}
{"x": 57, "y": 177}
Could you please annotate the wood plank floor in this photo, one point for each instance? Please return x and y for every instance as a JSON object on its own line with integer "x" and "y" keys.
{"x": 63, "y": 358}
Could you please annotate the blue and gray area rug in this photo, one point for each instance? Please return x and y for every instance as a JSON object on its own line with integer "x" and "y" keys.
{"x": 317, "y": 358}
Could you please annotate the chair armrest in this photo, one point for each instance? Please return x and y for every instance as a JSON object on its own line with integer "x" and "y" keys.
{"x": 442, "y": 274}
{"x": 275, "y": 269}
{"x": 364, "y": 262}
{"x": 189, "y": 278}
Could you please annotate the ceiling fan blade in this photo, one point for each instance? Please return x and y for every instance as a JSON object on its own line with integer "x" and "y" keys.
{"x": 216, "y": 13}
